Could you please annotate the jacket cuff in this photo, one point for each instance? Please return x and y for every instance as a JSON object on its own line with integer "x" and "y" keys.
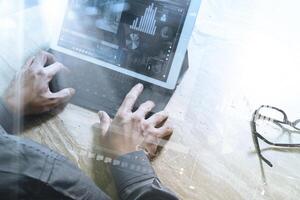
{"x": 6, "y": 117}
{"x": 131, "y": 169}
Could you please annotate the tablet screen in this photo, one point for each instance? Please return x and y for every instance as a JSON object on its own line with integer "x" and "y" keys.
{"x": 137, "y": 35}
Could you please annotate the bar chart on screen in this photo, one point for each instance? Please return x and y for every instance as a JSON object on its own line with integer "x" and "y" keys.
{"x": 147, "y": 22}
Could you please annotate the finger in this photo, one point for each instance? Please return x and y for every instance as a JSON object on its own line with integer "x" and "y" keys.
{"x": 131, "y": 98}
{"x": 104, "y": 122}
{"x": 144, "y": 109}
{"x": 53, "y": 69}
{"x": 43, "y": 59}
{"x": 62, "y": 96}
{"x": 151, "y": 143}
{"x": 44, "y": 110}
{"x": 164, "y": 131}
{"x": 29, "y": 62}
{"x": 151, "y": 149}
{"x": 158, "y": 118}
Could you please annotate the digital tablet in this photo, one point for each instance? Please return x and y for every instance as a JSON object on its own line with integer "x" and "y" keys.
{"x": 144, "y": 39}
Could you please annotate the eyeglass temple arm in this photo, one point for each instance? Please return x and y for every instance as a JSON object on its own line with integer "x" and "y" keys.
{"x": 256, "y": 143}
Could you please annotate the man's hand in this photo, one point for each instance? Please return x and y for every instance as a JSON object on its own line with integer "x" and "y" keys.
{"x": 131, "y": 131}
{"x": 29, "y": 92}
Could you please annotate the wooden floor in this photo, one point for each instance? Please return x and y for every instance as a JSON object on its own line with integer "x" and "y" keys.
{"x": 242, "y": 55}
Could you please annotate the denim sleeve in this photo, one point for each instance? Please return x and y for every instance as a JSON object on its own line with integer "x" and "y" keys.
{"x": 135, "y": 179}
{"x": 31, "y": 169}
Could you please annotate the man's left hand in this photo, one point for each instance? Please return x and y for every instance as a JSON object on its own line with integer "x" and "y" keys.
{"x": 29, "y": 92}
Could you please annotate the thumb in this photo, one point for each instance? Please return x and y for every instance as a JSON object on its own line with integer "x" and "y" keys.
{"x": 104, "y": 122}
{"x": 64, "y": 95}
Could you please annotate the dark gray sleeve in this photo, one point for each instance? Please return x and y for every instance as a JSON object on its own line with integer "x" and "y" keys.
{"x": 28, "y": 166}
{"x": 24, "y": 161}
{"x": 37, "y": 172}
{"x": 6, "y": 118}
{"x": 135, "y": 179}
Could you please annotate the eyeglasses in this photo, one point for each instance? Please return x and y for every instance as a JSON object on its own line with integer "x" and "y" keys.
{"x": 279, "y": 118}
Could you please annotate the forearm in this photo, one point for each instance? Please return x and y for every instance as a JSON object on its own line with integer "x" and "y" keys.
{"x": 135, "y": 178}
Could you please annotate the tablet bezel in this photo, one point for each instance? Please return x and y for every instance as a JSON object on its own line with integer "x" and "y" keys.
{"x": 178, "y": 57}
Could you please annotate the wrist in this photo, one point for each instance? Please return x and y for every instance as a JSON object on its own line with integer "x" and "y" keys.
{"x": 10, "y": 105}
{"x": 14, "y": 103}
{"x": 122, "y": 153}
{"x": 7, "y": 104}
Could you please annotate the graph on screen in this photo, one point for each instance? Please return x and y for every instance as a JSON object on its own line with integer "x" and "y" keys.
{"x": 147, "y": 22}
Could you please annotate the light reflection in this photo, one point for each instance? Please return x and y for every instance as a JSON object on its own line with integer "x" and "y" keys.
{"x": 181, "y": 171}
{"x": 192, "y": 187}
{"x": 52, "y": 12}
{"x": 268, "y": 55}
{"x": 6, "y": 7}
{"x": 8, "y": 23}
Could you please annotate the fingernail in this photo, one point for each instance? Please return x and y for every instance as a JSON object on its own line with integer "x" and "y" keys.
{"x": 72, "y": 91}
{"x": 149, "y": 102}
{"x": 152, "y": 104}
{"x": 100, "y": 113}
{"x": 164, "y": 113}
{"x": 140, "y": 86}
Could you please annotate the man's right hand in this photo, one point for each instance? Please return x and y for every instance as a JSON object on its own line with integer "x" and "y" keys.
{"x": 131, "y": 131}
{"x": 29, "y": 92}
